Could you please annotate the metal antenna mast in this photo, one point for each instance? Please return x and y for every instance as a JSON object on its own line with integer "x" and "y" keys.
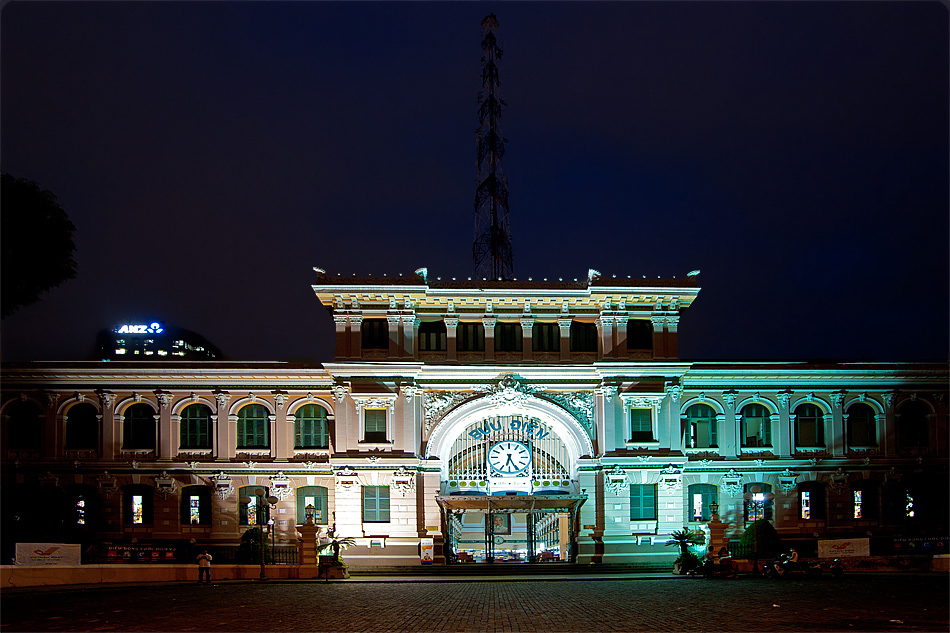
{"x": 492, "y": 247}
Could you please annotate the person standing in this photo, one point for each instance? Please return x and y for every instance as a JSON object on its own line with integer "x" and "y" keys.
{"x": 204, "y": 566}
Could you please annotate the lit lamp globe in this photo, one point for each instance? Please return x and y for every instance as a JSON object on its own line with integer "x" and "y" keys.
{"x": 309, "y": 513}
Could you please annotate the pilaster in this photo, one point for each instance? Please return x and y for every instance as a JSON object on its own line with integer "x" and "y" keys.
{"x": 107, "y": 410}
{"x": 659, "y": 347}
{"x": 163, "y": 425}
{"x": 489, "y": 323}
{"x": 672, "y": 345}
{"x": 527, "y": 327}
{"x": 409, "y": 326}
{"x": 729, "y": 431}
{"x": 620, "y": 335}
{"x": 342, "y": 336}
{"x": 356, "y": 335}
{"x": 889, "y": 447}
{"x": 451, "y": 331}
{"x": 564, "y": 325}
{"x": 283, "y": 437}
{"x": 783, "y": 426}
{"x": 223, "y": 449}
{"x": 834, "y": 425}
{"x": 395, "y": 345}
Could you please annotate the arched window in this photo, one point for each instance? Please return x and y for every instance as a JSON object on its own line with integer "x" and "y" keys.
{"x": 24, "y": 426}
{"x": 195, "y": 427}
{"x": 700, "y": 496}
{"x": 318, "y": 498}
{"x": 256, "y": 510}
{"x": 81, "y": 507}
{"x": 196, "y": 505}
{"x": 310, "y": 427}
{"x": 865, "y": 500}
{"x": 432, "y": 336}
{"x": 811, "y": 500}
{"x": 583, "y": 337}
{"x": 639, "y": 334}
{"x": 809, "y": 426}
{"x": 756, "y": 426}
{"x": 913, "y": 428}
{"x": 82, "y": 427}
{"x": 138, "y": 427}
{"x": 758, "y": 501}
{"x": 253, "y": 427}
{"x": 137, "y": 504}
{"x": 702, "y": 427}
{"x": 862, "y": 427}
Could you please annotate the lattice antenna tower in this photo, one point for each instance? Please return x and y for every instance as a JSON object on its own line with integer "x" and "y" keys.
{"x": 492, "y": 247}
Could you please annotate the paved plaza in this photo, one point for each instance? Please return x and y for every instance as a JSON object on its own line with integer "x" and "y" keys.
{"x": 854, "y": 603}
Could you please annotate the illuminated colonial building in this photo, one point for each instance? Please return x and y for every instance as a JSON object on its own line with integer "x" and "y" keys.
{"x": 498, "y": 418}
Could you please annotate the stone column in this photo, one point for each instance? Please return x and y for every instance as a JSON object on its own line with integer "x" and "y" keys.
{"x": 272, "y": 422}
{"x": 409, "y": 326}
{"x": 527, "y": 326}
{"x": 223, "y": 448}
{"x": 889, "y": 447}
{"x": 672, "y": 346}
{"x": 55, "y": 426}
{"x": 451, "y": 327}
{"x": 620, "y": 331}
{"x": 564, "y": 324}
{"x": 489, "y": 323}
{"x": 283, "y": 438}
{"x": 107, "y": 404}
{"x": 659, "y": 347}
{"x": 676, "y": 426}
{"x": 783, "y": 435}
{"x": 356, "y": 335}
{"x": 163, "y": 427}
{"x": 834, "y": 425}
{"x": 392, "y": 320}
{"x": 729, "y": 431}
{"x": 342, "y": 336}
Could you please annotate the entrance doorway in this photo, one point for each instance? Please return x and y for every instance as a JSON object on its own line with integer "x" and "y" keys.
{"x": 516, "y": 528}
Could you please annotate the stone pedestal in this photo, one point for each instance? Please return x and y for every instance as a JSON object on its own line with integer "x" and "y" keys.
{"x": 308, "y": 563}
{"x": 717, "y": 533}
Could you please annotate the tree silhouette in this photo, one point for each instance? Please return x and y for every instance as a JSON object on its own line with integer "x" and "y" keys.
{"x": 36, "y": 239}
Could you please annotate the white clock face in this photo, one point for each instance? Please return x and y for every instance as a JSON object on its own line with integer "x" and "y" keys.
{"x": 509, "y": 458}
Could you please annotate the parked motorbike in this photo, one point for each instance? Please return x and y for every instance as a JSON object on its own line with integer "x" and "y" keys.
{"x": 725, "y": 568}
{"x": 783, "y": 567}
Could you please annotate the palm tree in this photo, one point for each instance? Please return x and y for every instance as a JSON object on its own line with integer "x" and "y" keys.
{"x": 683, "y": 539}
{"x": 335, "y": 544}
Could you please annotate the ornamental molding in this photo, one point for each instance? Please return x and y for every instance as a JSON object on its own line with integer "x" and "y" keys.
{"x": 106, "y": 399}
{"x": 164, "y": 399}
{"x": 340, "y": 391}
{"x": 615, "y": 480}
{"x": 403, "y": 481}
{"x": 675, "y": 392}
{"x": 641, "y": 401}
{"x": 223, "y": 487}
{"x": 508, "y": 391}
{"x": 838, "y": 482}
{"x": 580, "y": 404}
{"x": 731, "y": 483}
{"x": 281, "y": 486}
{"x": 164, "y": 484}
{"x": 410, "y": 391}
{"x": 607, "y": 391}
{"x": 346, "y": 478}
{"x": 387, "y": 402}
{"x": 107, "y": 484}
{"x": 889, "y": 397}
{"x": 729, "y": 397}
{"x": 671, "y": 478}
{"x": 222, "y": 398}
{"x": 49, "y": 479}
{"x": 787, "y": 480}
{"x": 51, "y": 399}
{"x": 280, "y": 399}
{"x": 438, "y": 403}
{"x": 785, "y": 398}
{"x": 837, "y": 397}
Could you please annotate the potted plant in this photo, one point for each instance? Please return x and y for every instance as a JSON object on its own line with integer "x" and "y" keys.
{"x": 687, "y": 562}
{"x": 334, "y": 544}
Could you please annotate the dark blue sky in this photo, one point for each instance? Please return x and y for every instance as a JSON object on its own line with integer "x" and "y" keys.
{"x": 210, "y": 154}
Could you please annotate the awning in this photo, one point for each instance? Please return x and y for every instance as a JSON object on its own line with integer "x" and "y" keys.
{"x": 510, "y": 503}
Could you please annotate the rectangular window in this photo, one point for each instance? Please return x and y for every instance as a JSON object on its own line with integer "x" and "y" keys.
{"x": 194, "y": 510}
{"x": 508, "y": 337}
{"x": 755, "y": 510}
{"x": 138, "y": 509}
{"x": 702, "y": 434}
{"x": 858, "y": 504}
{"x": 252, "y": 511}
{"x": 642, "y": 502}
{"x": 806, "y": 504}
{"x": 908, "y": 505}
{"x": 374, "y": 421}
{"x": 641, "y": 425}
{"x": 374, "y": 334}
{"x": 546, "y": 337}
{"x": 583, "y": 337}
{"x": 470, "y": 337}
{"x": 375, "y": 504}
{"x": 81, "y": 512}
{"x": 697, "y": 507}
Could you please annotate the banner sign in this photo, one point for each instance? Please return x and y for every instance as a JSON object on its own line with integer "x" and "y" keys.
{"x": 839, "y": 548}
{"x": 139, "y": 554}
{"x": 427, "y": 551}
{"x": 920, "y": 545}
{"x": 48, "y": 554}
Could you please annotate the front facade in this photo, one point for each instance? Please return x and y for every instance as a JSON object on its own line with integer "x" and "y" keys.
{"x": 546, "y": 420}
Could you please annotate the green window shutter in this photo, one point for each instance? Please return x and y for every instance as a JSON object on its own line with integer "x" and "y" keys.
{"x": 375, "y": 504}
{"x": 374, "y": 425}
{"x": 253, "y": 427}
{"x": 641, "y": 425}
{"x": 317, "y": 495}
{"x": 310, "y": 427}
{"x": 642, "y": 502}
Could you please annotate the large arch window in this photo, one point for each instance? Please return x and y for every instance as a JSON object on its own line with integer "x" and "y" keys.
{"x": 24, "y": 426}
{"x": 317, "y": 497}
{"x": 701, "y": 497}
{"x": 253, "y": 427}
{"x": 862, "y": 427}
{"x": 756, "y": 426}
{"x": 310, "y": 427}
{"x": 913, "y": 429}
{"x": 809, "y": 426}
{"x": 702, "y": 427}
{"x": 432, "y": 336}
{"x": 82, "y": 427}
{"x": 865, "y": 500}
{"x": 256, "y": 511}
{"x": 195, "y": 427}
{"x": 138, "y": 427}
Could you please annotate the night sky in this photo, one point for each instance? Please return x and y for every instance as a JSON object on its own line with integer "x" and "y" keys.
{"x": 211, "y": 154}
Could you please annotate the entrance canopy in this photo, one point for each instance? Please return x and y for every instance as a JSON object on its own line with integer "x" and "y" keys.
{"x": 500, "y": 504}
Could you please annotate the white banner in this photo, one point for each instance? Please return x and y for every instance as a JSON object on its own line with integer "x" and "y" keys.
{"x": 48, "y": 554}
{"x": 427, "y": 550}
{"x": 839, "y": 548}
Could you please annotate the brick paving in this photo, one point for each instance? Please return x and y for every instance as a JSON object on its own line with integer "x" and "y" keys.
{"x": 854, "y": 603}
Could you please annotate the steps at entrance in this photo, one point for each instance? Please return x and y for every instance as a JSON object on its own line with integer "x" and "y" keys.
{"x": 505, "y": 569}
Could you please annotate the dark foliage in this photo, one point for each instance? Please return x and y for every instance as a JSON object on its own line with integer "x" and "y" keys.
{"x": 37, "y": 243}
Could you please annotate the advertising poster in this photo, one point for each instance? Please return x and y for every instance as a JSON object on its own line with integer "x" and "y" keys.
{"x": 48, "y": 554}
{"x": 427, "y": 551}
{"x": 839, "y": 548}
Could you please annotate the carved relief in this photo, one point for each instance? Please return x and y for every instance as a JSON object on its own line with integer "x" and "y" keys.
{"x": 403, "y": 481}
{"x": 340, "y": 391}
{"x": 731, "y": 483}
{"x": 615, "y": 480}
{"x": 437, "y": 403}
{"x": 164, "y": 484}
{"x": 281, "y": 486}
{"x": 222, "y": 485}
{"x": 580, "y": 404}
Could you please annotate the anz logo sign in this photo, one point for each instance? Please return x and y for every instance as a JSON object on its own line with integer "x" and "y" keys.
{"x": 151, "y": 328}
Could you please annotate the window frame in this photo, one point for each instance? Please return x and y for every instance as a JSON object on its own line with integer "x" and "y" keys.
{"x": 639, "y": 331}
{"x": 709, "y": 494}
{"x": 470, "y": 336}
{"x": 768, "y": 505}
{"x": 432, "y": 336}
{"x": 631, "y": 434}
{"x": 24, "y": 426}
{"x": 374, "y": 333}
{"x": 583, "y": 336}
{"x": 86, "y": 428}
{"x": 129, "y": 492}
{"x": 262, "y": 508}
{"x": 870, "y": 423}
{"x": 321, "y": 509}
{"x": 817, "y": 495}
{"x": 818, "y": 435}
{"x": 913, "y": 438}
{"x": 204, "y": 505}
{"x": 545, "y": 336}
{"x": 509, "y": 337}
{"x": 636, "y": 493}
{"x": 319, "y": 433}
{"x": 384, "y": 435}
{"x": 186, "y": 432}
{"x": 244, "y": 418}
{"x": 372, "y": 510}
{"x": 767, "y": 435}
{"x": 692, "y": 420}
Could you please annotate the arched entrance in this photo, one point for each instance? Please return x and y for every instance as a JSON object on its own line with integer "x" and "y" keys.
{"x": 509, "y": 487}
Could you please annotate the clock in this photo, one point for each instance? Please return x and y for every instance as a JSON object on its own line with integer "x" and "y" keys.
{"x": 509, "y": 458}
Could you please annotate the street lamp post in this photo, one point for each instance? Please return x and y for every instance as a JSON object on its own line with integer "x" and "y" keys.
{"x": 261, "y": 495}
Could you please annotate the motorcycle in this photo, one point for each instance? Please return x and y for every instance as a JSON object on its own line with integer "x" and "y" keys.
{"x": 784, "y": 567}
{"x": 725, "y": 568}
